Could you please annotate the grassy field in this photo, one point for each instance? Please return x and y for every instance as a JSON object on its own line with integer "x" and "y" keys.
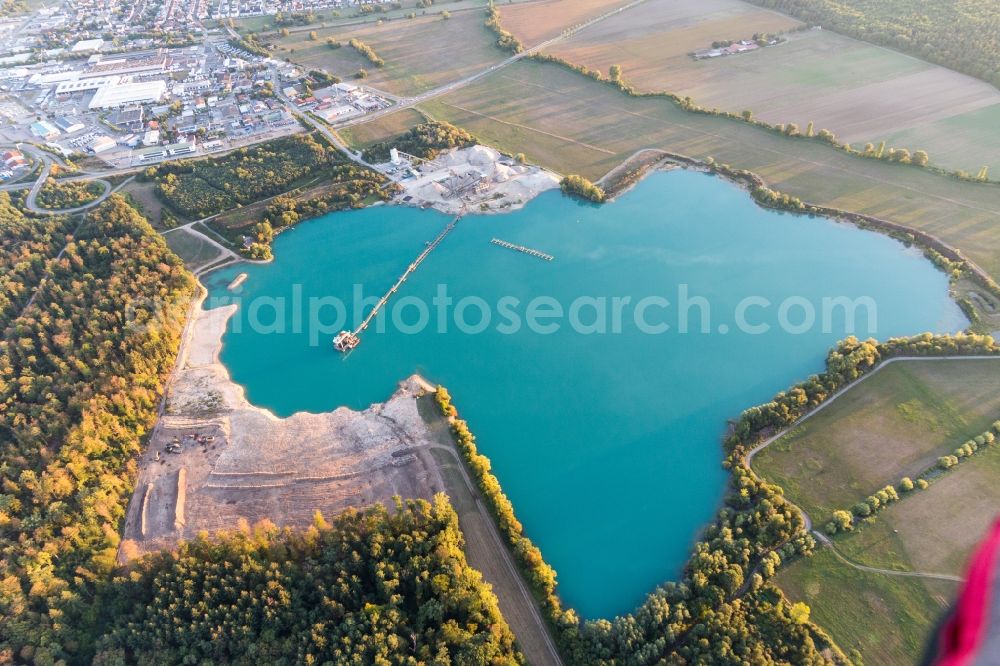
{"x": 192, "y": 250}
{"x": 935, "y": 529}
{"x": 372, "y": 132}
{"x": 958, "y": 141}
{"x": 896, "y": 423}
{"x": 143, "y": 196}
{"x": 886, "y": 618}
{"x": 419, "y": 54}
{"x": 932, "y": 530}
{"x": 859, "y": 91}
{"x": 572, "y": 124}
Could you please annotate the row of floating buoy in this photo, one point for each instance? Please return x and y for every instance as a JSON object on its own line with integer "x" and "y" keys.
{"x": 521, "y": 248}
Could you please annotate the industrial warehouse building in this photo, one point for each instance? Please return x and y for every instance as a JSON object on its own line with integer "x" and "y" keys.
{"x": 113, "y": 96}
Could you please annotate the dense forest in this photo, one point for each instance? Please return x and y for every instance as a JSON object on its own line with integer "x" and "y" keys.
{"x": 56, "y": 195}
{"x": 81, "y": 369}
{"x": 373, "y": 587}
{"x": 425, "y": 140}
{"x": 201, "y": 188}
{"x": 960, "y": 34}
{"x": 26, "y": 244}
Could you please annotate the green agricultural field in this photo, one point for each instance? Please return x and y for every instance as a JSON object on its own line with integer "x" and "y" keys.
{"x": 859, "y": 91}
{"x": 935, "y": 529}
{"x": 420, "y": 54}
{"x": 957, "y": 142}
{"x": 375, "y": 131}
{"x": 537, "y": 108}
{"x": 893, "y": 424}
{"x": 888, "y": 619}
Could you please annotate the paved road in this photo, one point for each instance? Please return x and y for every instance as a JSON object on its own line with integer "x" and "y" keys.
{"x": 48, "y": 162}
{"x": 822, "y": 537}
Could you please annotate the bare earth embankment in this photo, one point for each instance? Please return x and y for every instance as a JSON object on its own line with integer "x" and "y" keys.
{"x": 249, "y": 465}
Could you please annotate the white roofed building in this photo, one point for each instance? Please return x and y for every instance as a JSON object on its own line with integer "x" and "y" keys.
{"x": 87, "y": 45}
{"x": 101, "y": 144}
{"x": 113, "y": 96}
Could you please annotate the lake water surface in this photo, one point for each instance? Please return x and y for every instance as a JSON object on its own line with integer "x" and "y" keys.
{"x": 608, "y": 444}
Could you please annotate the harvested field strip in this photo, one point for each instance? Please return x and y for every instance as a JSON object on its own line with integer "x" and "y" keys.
{"x": 546, "y": 98}
{"x": 537, "y": 22}
{"x": 297, "y": 479}
{"x": 532, "y": 129}
{"x": 419, "y": 54}
{"x": 859, "y": 91}
{"x": 144, "y": 511}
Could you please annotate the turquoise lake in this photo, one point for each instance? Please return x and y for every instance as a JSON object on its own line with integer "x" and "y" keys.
{"x": 608, "y": 444}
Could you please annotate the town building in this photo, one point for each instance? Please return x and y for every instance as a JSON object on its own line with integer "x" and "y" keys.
{"x": 85, "y": 45}
{"x": 111, "y": 96}
{"x": 45, "y": 130}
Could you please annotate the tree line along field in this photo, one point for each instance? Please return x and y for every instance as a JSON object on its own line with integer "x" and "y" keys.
{"x": 861, "y": 92}
{"x": 535, "y": 108}
{"x": 420, "y": 53}
{"x": 893, "y": 424}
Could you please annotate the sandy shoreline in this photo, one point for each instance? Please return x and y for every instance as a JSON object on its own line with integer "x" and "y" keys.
{"x": 240, "y": 463}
